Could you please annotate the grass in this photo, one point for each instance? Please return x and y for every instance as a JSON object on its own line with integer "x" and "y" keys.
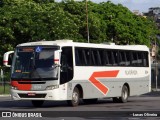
{"x": 4, "y": 90}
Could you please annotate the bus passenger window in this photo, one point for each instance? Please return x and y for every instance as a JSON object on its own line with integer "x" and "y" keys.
{"x": 79, "y": 54}
{"x": 122, "y": 59}
{"x": 77, "y": 58}
{"x": 140, "y": 63}
{"x": 145, "y": 59}
{"x": 134, "y": 59}
{"x": 93, "y": 62}
{"x": 95, "y": 58}
{"x": 115, "y": 58}
{"x": 86, "y": 57}
{"x": 102, "y": 57}
{"x": 109, "y": 60}
{"x": 128, "y": 58}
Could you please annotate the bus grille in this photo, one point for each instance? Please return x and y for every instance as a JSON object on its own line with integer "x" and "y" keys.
{"x": 32, "y": 96}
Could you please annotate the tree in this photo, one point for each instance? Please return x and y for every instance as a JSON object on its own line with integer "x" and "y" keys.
{"x": 33, "y": 20}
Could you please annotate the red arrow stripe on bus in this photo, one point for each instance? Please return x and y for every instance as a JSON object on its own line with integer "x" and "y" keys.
{"x": 104, "y": 89}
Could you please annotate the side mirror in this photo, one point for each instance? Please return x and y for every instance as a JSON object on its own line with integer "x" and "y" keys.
{"x": 7, "y": 58}
{"x": 57, "y": 57}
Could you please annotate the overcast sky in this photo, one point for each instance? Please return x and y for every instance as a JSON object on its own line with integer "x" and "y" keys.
{"x": 141, "y": 5}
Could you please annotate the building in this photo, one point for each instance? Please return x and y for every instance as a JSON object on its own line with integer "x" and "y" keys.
{"x": 154, "y": 13}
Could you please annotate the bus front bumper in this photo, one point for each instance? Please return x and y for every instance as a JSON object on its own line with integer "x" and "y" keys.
{"x": 35, "y": 95}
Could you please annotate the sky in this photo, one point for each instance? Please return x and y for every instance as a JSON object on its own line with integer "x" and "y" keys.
{"x": 141, "y": 5}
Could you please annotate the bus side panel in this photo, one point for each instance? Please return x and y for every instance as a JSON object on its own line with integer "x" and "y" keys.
{"x": 138, "y": 80}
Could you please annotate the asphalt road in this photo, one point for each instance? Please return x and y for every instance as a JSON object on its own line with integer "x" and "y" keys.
{"x": 138, "y": 107}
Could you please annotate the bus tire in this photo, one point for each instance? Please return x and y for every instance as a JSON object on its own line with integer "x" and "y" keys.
{"x": 37, "y": 103}
{"x": 90, "y": 101}
{"x": 124, "y": 94}
{"x": 75, "y": 98}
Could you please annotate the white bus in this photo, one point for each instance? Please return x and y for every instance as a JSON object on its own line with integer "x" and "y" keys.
{"x": 66, "y": 70}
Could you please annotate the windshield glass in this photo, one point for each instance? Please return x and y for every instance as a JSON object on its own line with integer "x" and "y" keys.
{"x": 34, "y": 63}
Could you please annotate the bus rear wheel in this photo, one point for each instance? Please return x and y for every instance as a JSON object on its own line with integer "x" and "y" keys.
{"x": 37, "y": 103}
{"x": 124, "y": 94}
{"x": 75, "y": 98}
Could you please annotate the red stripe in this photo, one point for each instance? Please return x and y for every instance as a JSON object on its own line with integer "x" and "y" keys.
{"x": 56, "y": 59}
{"x": 99, "y": 85}
{"x": 5, "y": 61}
{"x": 104, "y": 89}
{"x": 21, "y": 86}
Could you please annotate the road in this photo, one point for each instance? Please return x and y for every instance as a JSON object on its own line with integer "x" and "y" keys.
{"x": 138, "y": 107}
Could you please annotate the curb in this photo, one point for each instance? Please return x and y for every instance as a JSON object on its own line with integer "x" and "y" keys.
{"x": 7, "y": 95}
{"x": 156, "y": 90}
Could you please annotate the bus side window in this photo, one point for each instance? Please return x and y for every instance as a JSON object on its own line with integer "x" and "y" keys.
{"x": 122, "y": 58}
{"x": 79, "y": 54}
{"x": 115, "y": 57}
{"x": 140, "y": 63}
{"x": 92, "y": 58}
{"x": 95, "y": 58}
{"x": 82, "y": 56}
{"x": 134, "y": 58}
{"x": 86, "y": 57}
{"x": 109, "y": 60}
{"x": 145, "y": 59}
{"x": 99, "y": 58}
{"x": 102, "y": 57}
{"x": 77, "y": 58}
{"x": 128, "y": 58}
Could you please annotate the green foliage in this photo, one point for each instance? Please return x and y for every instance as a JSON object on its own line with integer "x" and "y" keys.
{"x": 32, "y": 20}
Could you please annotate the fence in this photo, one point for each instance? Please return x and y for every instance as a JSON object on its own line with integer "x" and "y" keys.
{"x": 4, "y": 82}
{"x": 155, "y": 82}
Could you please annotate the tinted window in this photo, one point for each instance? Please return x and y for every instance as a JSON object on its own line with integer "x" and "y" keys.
{"x": 109, "y": 57}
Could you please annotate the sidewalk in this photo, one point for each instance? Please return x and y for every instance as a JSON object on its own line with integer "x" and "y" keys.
{"x": 153, "y": 93}
{"x": 5, "y": 95}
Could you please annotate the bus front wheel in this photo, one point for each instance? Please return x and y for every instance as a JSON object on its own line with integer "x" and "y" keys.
{"x": 75, "y": 98}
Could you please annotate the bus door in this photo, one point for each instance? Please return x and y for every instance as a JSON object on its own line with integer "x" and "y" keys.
{"x": 66, "y": 72}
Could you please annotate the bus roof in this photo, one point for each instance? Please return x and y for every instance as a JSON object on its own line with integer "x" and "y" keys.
{"x": 62, "y": 43}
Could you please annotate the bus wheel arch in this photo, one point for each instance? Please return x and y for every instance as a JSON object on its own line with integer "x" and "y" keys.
{"x": 80, "y": 90}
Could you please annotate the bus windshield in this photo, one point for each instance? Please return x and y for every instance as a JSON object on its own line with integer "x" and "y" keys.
{"x": 34, "y": 63}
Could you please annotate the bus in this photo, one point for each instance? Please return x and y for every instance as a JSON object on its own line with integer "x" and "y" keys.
{"x": 63, "y": 70}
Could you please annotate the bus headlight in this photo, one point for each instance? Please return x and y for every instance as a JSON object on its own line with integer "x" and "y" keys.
{"x": 13, "y": 87}
{"x": 52, "y": 87}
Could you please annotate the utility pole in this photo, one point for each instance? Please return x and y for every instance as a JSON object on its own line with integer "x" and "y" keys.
{"x": 87, "y": 20}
